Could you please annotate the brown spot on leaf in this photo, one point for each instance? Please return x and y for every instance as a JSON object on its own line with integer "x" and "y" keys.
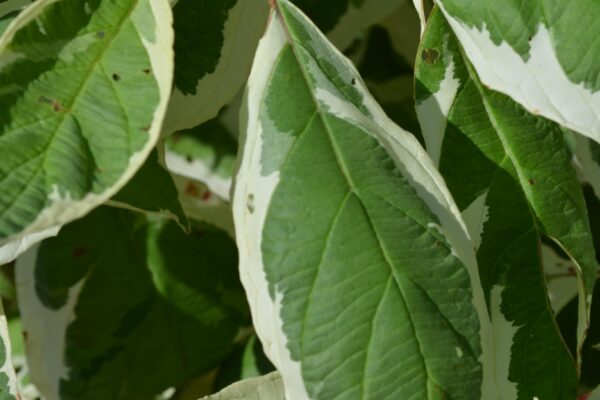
{"x": 353, "y": 81}
{"x": 531, "y": 181}
{"x": 116, "y": 77}
{"x": 146, "y": 71}
{"x": 56, "y": 106}
{"x": 430, "y": 56}
{"x": 206, "y": 195}
{"x": 191, "y": 189}
{"x": 147, "y": 128}
{"x": 25, "y": 335}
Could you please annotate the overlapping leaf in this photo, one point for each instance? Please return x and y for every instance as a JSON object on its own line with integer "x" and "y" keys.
{"x": 127, "y": 309}
{"x": 342, "y": 20}
{"x": 540, "y": 52}
{"x": 73, "y": 130}
{"x": 215, "y": 42}
{"x": 8, "y": 380}
{"x": 511, "y": 176}
{"x": 345, "y": 231}
{"x": 152, "y": 190}
{"x": 268, "y": 387}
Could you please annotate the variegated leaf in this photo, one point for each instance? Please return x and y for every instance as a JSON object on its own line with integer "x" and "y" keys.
{"x": 268, "y": 387}
{"x": 511, "y": 176}
{"x": 345, "y": 230}
{"x": 151, "y": 306}
{"x": 73, "y": 130}
{"x": 542, "y": 53}
{"x": 215, "y": 42}
{"x": 9, "y": 389}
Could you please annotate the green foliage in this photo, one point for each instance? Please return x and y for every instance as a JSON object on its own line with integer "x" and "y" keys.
{"x": 298, "y": 199}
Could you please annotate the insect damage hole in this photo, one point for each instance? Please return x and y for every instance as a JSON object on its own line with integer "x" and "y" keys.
{"x": 430, "y": 56}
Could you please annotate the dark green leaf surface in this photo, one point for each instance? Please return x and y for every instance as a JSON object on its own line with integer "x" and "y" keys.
{"x": 152, "y": 190}
{"x": 151, "y": 306}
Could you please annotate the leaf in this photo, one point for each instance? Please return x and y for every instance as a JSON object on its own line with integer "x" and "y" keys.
{"x": 201, "y": 204}
{"x": 420, "y": 7}
{"x": 345, "y": 231}
{"x": 211, "y": 63}
{"x": 539, "y": 52}
{"x": 247, "y": 361}
{"x": 152, "y": 190}
{"x": 343, "y": 20}
{"x": 8, "y": 380}
{"x": 73, "y": 129}
{"x": 205, "y": 153}
{"x": 9, "y": 11}
{"x": 151, "y": 306}
{"x": 13, "y": 249}
{"x": 511, "y": 176}
{"x": 268, "y": 387}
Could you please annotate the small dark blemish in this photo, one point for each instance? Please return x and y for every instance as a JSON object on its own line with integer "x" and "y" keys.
{"x": 250, "y": 203}
{"x": 191, "y": 190}
{"x": 430, "y": 56}
{"x": 189, "y": 159}
{"x": 25, "y": 335}
{"x": 146, "y": 128}
{"x": 79, "y": 252}
{"x": 531, "y": 181}
{"x": 206, "y": 196}
{"x": 116, "y": 77}
{"x": 56, "y": 106}
{"x": 101, "y": 34}
{"x": 353, "y": 81}
{"x": 146, "y": 71}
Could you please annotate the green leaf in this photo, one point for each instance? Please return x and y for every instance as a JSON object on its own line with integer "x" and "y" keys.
{"x": 73, "y": 129}
{"x": 511, "y": 177}
{"x": 268, "y": 387}
{"x": 215, "y": 42}
{"x": 151, "y": 306}
{"x": 153, "y": 191}
{"x": 539, "y": 52}
{"x": 345, "y": 231}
